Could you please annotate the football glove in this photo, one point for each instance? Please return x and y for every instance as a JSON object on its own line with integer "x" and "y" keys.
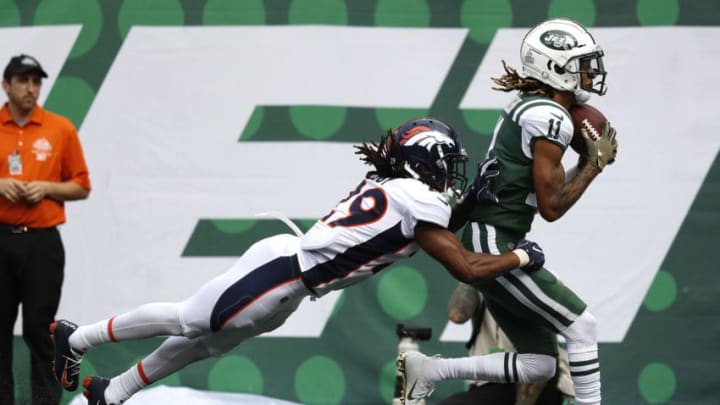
{"x": 535, "y": 254}
{"x": 602, "y": 151}
{"x": 480, "y": 189}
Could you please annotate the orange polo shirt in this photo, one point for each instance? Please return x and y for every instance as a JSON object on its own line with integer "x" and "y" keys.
{"x": 50, "y": 150}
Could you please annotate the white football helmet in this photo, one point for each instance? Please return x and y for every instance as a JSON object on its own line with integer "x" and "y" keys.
{"x": 557, "y": 51}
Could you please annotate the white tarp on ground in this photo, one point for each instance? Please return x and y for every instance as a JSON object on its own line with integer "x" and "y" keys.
{"x": 164, "y": 395}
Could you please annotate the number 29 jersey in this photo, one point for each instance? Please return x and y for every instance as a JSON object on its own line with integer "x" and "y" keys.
{"x": 368, "y": 230}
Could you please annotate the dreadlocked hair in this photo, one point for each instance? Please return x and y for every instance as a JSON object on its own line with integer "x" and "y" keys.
{"x": 376, "y": 154}
{"x": 527, "y": 86}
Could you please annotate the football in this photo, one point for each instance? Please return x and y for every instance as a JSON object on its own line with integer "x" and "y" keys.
{"x": 587, "y": 117}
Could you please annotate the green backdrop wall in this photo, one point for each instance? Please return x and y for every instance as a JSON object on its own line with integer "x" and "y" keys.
{"x": 669, "y": 355}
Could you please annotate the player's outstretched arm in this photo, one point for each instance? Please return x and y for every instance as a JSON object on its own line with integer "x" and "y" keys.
{"x": 466, "y": 266}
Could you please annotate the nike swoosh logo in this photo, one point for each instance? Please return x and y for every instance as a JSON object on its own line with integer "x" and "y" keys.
{"x": 443, "y": 201}
{"x": 63, "y": 380}
{"x": 410, "y": 393}
{"x": 560, "y": 117}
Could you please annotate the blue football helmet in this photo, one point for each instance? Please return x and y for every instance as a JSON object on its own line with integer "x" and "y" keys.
{"x": 429, "y": 150}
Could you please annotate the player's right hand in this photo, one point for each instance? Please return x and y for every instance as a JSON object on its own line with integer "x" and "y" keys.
{"x": 534, "y": 252}
{"x": 480, "y": 189}
{"x": 601, "y": 151}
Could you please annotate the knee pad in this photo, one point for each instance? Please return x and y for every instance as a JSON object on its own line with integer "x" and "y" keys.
{"x": 535, "y": 367}
{"x": 582, "y": 332}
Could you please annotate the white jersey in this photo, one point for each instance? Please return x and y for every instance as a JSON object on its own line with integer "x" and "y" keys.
{"x": 370, "y": 229}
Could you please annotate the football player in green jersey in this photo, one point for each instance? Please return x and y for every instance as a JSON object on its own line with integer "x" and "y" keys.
{"x": 562, "y": 66}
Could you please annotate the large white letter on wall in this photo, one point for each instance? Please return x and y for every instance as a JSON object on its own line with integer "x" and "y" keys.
{"x": 161, "y": 142}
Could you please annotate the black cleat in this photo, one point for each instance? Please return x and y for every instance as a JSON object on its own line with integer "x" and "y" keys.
{"x": 66, "y": 361}
{"x": 95, "y": 390}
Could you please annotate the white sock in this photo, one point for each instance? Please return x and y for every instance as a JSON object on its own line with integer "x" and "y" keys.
{"x": 585, "y": 373}
{"x": 172, "y": 355}
{"x": 495, "y": 367}
{"x": 125, "y": 385}
{"x": 582, "y": 349}
{"x": 149, "y": 320}
{"x": 86, "y": 337}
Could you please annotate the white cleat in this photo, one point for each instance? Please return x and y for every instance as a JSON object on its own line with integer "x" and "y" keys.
{"x": 414, "y": 384}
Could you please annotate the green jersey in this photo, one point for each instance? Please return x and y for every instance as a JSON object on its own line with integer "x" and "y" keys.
{"x": 530, "y": 307}
{"x": 522, "y": 122}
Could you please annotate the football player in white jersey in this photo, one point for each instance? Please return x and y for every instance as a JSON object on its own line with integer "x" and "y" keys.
{"x": 404, "y": 204}
{"x": 562, "y": 66}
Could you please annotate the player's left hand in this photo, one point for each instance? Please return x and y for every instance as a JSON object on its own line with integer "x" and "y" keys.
{"x": 603, "y": 150}
{"x": 534, "y": 252}
{"x": 480, "y": 189}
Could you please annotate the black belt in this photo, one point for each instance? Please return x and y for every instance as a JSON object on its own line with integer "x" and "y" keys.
{"x": 16, "y": 229}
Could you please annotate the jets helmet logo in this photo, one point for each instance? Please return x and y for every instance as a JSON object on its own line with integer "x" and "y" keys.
{"x": 559, "y": 40}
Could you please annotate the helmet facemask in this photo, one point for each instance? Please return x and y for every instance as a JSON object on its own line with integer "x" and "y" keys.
{"x": 592, "y": 67}
{"x": 446, "y": 175}
{"x": 455, "y": 179}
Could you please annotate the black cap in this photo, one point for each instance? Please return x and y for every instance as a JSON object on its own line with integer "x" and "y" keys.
{"x": 22, "y": 64}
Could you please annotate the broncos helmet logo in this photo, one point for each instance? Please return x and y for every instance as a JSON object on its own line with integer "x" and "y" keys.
{"x": 425, "y": 137}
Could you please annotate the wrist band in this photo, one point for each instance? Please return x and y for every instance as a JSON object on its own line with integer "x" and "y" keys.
{"x": 523, "y": 256}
